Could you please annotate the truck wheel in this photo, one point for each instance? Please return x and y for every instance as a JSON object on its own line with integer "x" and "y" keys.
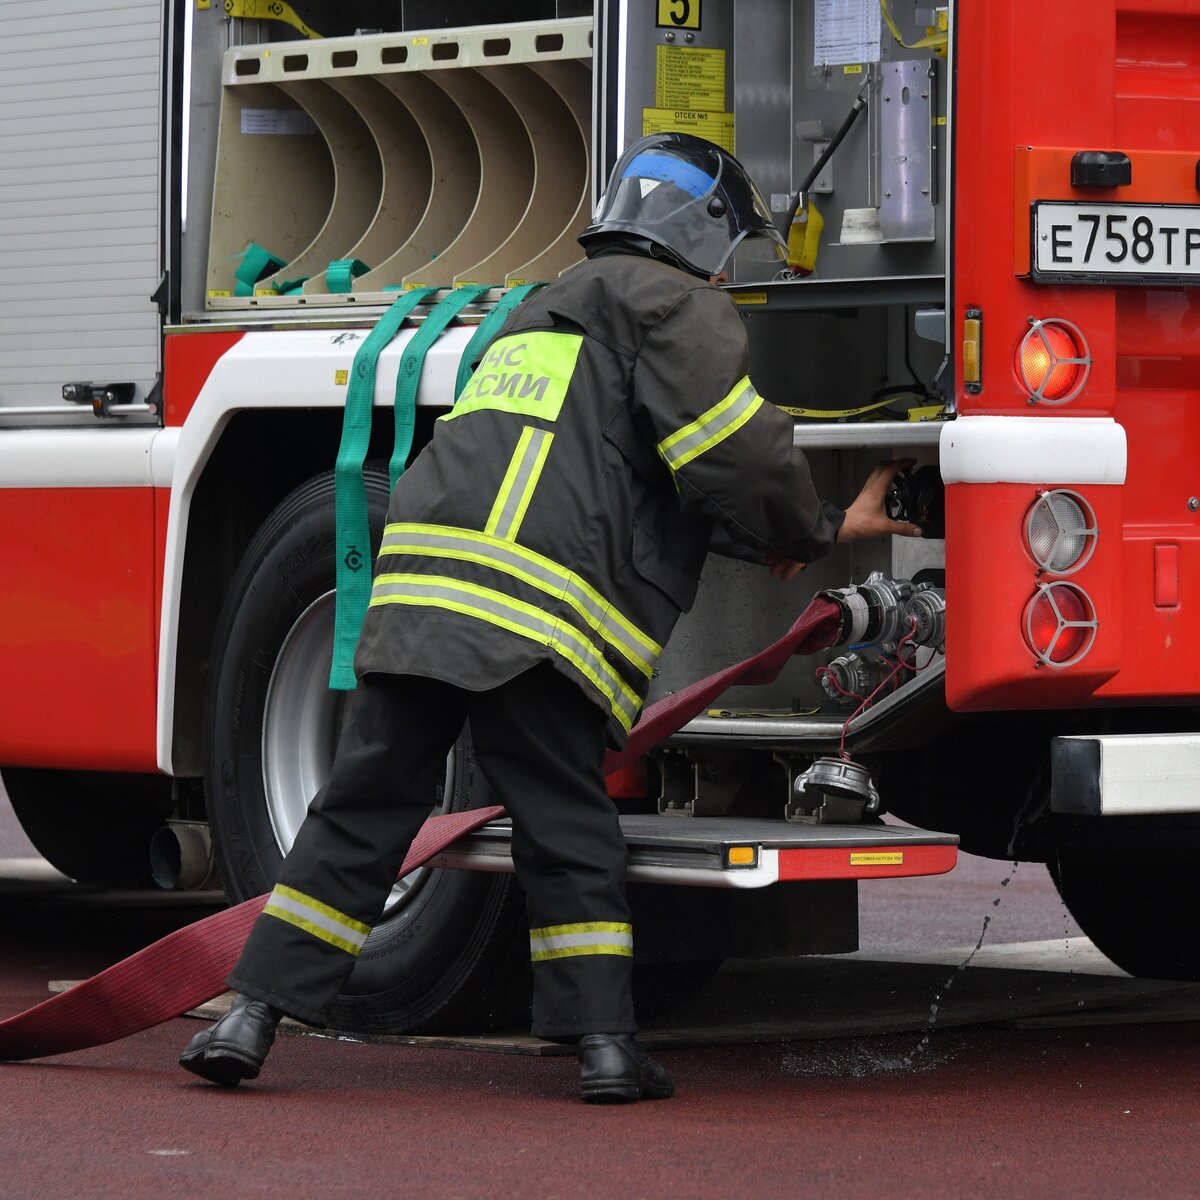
{"x": 93, "y": 826}
{"x": 451, "y": 953}
{"x": 1131, "y": 885}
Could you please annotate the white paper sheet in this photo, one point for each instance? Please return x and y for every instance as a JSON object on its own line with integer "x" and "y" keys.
{"x": 846, "y": 31}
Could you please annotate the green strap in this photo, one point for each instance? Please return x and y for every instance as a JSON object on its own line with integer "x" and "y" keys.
{"x": 409, "y": 376}
{"x": 253, "y": 264}
{"x": 353, "y": 531}
{"x": 487, "y": 329}
{"x": 341, "y": 274}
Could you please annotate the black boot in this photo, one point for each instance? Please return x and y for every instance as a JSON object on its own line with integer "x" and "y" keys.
{"x": 614, "y": 1069}
{"x": 234, "y": 1048}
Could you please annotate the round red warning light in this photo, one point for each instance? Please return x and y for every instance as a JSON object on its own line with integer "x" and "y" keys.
{"x": 1060, "y": 624}
{"x": 1052, "y": 360}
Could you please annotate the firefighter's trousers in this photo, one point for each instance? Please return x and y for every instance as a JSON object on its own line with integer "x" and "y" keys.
{"x": 539, "y": 742}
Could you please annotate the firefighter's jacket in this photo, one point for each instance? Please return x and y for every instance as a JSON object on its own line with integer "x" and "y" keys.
{"x": 563, "y": 509}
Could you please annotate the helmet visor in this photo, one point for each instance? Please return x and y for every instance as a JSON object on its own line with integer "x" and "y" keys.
{"x": 690, "y": 196}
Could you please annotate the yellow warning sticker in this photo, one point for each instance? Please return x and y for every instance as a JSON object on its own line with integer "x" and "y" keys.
{"x": 341, "y": 378}
{"x": 715, "y": 126}
{"x": 678, "y": 14}
{"x": 219, "y": 294}
{"x": 876, "y": 858}
{"x": 749, "y": 297}
{"x": 420, "y": 41}
{"x": 852, "y": 69}
{"x": 689, "y": 77}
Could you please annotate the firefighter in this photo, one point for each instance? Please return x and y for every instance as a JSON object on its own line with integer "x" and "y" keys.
{"x": 536, "y": 556}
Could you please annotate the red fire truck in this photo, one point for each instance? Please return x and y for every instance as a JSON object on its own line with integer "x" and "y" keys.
{"x": 994, "y": 211}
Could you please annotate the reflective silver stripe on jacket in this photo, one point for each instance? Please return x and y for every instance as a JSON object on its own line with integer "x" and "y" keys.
{"x": 506, "y": 612}
{"x": 516, "y": 491}
{"x": 468, "y": 545}
{"x": 711, "y": 428}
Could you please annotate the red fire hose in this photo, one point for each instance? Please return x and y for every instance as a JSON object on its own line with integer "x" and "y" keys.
{"x": 188, "y": 967}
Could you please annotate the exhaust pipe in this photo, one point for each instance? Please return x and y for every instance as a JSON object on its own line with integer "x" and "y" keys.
{"x": 181, "y": 856}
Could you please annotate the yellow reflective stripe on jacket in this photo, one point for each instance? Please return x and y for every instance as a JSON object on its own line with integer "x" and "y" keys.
{"x": 524, "y": 373}
{"x": 524, "y": 471}
{"x": 469, "y": 545}
{"x": 316, "y": 918}
{"x": 506, "y": 612}
{"x": 583, "y": 937}
{"x": 712, "y": 427}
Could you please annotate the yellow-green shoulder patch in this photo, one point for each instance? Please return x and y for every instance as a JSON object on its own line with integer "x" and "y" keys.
{"x": 524, "y": 373}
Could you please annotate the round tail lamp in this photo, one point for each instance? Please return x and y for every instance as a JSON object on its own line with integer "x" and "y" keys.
{"x": 1052, "y": 360}
{"x": 1060, "y": 624}
{"x": 1060, "y": 532}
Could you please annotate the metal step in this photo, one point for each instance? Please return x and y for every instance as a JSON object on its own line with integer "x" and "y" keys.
{"x": 727, "y": 852}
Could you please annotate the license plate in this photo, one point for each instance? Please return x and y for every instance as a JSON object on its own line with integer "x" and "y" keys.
{"x": 1116, "y": 243}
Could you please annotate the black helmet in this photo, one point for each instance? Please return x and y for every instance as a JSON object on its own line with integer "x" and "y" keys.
{"x": 688, "y": 196}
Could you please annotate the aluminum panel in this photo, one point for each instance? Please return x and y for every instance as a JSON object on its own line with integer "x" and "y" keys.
{"x": 79, "y": 197}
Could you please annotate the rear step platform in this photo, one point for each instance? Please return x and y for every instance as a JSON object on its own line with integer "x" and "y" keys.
{"x": 723, "y": 852}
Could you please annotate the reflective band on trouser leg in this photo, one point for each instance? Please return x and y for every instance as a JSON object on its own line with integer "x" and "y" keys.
{"x": 316, "y": 918}
{"x": 583, "y": 937}
{"x": 516, "y": 491}
{"x": 519, "y": 562}
{"x": 506, "y": 612}
{"x": 353, "y": 535}
{"x": 712, "y": 427}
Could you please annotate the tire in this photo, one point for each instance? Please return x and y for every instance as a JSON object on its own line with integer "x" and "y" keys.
{"x": 451, "y": 953}
{"x": 93, "y": 826}
{"x": 1131, "y": 884}
{"x": 997, "y": 810}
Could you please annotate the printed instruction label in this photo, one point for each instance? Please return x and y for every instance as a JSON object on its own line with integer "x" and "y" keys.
{"x": 689, "y": 78}
{"x": 877, "y": 858}
{"x": 846, "y": 31}
{"x": 277, "y": 120}
{"x": 715, "y": 126}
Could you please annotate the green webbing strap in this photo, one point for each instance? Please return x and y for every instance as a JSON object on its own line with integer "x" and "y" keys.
{"x": 253, "y": 264}
{"x": 353, "y": 534}
{"x": 409, "y": 376}
{"x": 487, "y": 329}
{"x": 341, "y": 274}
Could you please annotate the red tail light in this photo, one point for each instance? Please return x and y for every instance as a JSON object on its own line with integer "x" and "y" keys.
{"x": 1060, "y": 624}
{"x": 1052, "y": 360}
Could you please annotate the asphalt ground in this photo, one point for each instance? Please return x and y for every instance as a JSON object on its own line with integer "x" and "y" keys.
{"x": 1000, "y": 1105}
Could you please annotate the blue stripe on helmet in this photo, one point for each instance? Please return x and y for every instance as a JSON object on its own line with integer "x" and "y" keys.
{"x": 670, "y": 170}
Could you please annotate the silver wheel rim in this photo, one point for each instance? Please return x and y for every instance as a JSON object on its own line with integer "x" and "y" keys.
{"x": 301, "y": 721}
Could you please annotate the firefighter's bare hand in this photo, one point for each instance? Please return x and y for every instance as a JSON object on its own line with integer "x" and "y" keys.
{"x": 786, "y": 568}
{"x": 866, "y": 517}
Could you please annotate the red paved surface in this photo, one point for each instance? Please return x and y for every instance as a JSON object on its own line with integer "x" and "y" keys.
{"x": 1095, "y": 1113}
{"x": 1106, "y": 1114}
